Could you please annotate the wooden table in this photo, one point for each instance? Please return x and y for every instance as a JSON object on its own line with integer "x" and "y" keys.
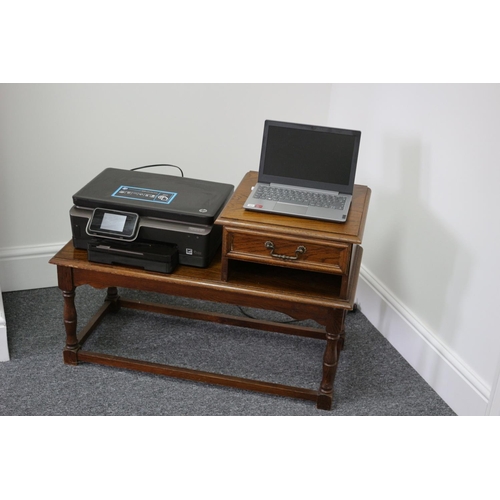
{"x": 315, "y": 287}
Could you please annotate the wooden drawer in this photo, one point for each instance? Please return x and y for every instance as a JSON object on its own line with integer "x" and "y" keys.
{"x": 287, "y": 251}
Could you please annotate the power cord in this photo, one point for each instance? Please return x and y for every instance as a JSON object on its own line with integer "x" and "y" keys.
{"x": 160, "y": 165}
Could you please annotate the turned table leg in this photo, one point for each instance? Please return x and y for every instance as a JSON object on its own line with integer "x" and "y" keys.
{"x": 113, "y": 297}
{"x": 65, "y": 281}
{"x": 334, "y": 341}
{"x": 70, "y": 322}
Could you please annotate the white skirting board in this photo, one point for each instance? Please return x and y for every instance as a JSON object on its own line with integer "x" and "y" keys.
{"x": 25, "y": 268}
{"x": 458, "y": 386}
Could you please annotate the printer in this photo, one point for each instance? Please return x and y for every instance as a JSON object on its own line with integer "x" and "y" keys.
{"x": 148, "y": 220}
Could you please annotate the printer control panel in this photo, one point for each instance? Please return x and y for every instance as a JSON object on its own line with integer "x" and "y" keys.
{"x": 113, "y": 224}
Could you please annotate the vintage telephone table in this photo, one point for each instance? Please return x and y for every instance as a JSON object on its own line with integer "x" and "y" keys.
{"x": 305, "y": 268}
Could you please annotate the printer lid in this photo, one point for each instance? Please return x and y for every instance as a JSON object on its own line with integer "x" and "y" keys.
{"x": 155, "y": 195}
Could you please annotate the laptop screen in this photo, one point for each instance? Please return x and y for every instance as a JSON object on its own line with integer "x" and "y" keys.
{"x": 309, "y": 156}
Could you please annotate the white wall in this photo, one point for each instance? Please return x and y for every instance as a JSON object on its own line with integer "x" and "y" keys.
{"x": 54, "y": 138}
{"x": 430, "y": 155}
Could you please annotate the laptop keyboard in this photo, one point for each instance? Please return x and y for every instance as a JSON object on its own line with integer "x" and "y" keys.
{"x": 300, "y": 197}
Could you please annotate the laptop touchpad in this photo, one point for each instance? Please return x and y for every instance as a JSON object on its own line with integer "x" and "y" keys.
{"x": 293, "y": 209}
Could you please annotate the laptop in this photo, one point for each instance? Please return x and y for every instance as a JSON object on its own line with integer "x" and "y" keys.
{"x": 306, "y": 171}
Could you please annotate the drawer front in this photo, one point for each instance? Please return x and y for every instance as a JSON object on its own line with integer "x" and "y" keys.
{"x": 279, "y": 250}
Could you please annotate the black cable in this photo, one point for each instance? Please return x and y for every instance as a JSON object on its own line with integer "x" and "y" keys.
{"x": 160, "y": 165}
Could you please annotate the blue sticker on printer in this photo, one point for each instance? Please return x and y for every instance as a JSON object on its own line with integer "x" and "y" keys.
{"x": 144, "y": 194}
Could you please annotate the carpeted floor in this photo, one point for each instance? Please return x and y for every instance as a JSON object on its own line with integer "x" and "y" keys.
{"x": 372, "y": 378}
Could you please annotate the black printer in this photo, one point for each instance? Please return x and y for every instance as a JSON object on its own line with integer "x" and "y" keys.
{"x": 141, "y": 218}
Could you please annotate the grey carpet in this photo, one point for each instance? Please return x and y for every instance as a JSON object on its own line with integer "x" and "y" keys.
{"x": 372, "y": 378}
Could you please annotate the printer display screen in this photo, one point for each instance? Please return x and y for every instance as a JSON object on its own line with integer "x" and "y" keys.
{"x": 113, "y": 224}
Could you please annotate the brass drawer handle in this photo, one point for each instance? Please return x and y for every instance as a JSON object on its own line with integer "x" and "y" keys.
{"x": 300, "y": 249}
